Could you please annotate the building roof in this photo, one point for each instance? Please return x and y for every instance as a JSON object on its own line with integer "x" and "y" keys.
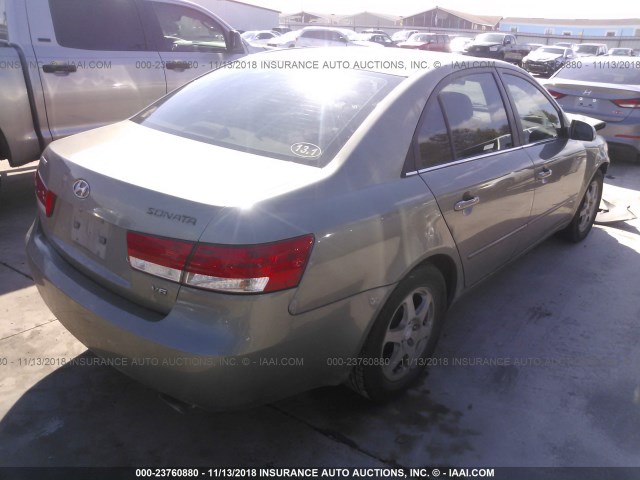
{"x": 393, "y": 18}
{"x": 325, "y": 16}
{"x": 491, "y": 21}
{"x": 573, "y": 21}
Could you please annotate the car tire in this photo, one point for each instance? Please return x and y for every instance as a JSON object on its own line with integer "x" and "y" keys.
{"x": 582, "y": 221}
{"x": 403, "y": 336}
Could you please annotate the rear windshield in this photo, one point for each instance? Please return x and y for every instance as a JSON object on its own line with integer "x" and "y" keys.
{"x": 421, "y": 37}
{"x": 304, "y": 116}
{"x": 621, "y": 72}
{"x": 557, "y": 51}
{"x": 587, "y": 49}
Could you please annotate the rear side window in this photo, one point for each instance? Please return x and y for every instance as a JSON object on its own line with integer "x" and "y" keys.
{"x": 469, "y": 115}
{"x": 4, "y": 32}
{"x": 539, "y": 118}
{"x": 301, "y": 116}
{"x": 476, "y": 116}
{"x": 97, "y": 24}
{"x": 317, "y": 34}
{"x": 433, "y": 139}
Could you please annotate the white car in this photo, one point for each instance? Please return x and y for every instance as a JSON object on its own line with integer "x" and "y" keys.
{"x": 403, "y": 35}
{"x": 286, "y": 40}
{"x": 331, "y": 37}
{"x": 259, "y": 37}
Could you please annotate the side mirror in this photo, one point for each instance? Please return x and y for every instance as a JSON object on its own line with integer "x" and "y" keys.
{"x": 582, "y": 131}
{"x": 234, "y": 43}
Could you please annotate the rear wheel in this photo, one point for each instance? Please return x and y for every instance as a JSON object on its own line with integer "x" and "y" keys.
{"x": 403, "y": 336}
{"x": 583, "y": 220}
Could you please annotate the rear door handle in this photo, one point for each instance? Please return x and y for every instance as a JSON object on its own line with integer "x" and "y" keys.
{"x": 59, "y": 68}
{"x": 462, "y": 204}
{"x": 177, "y": 65}
{"x": 546, "y": 172}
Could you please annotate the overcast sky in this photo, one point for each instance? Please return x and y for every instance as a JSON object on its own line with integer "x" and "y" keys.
{"x": 504, "y": 8}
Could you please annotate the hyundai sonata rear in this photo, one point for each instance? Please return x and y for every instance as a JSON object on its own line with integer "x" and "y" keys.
{"x": 167, "y": 241}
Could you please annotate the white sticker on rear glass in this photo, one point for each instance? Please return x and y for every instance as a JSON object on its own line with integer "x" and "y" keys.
{"x": 306, "y": 150}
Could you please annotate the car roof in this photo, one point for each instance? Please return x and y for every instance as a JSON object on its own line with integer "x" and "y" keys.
{"x": 332, "y": 29}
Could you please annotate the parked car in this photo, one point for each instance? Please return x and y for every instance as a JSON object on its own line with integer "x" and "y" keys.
{"x": 459, "y": 44}
{"x": 259, "y": 35}
{"x": 501, "y": 46}
{"x": 286, "y": 40}
{"x": 259, "y": 38}
{"x": 330, "y": 37}
{"x": 590, "y": 49}
{"x": 304, "y": 238}
{"x": 565, "y": 45}
{"x": 624, "y": 52}
{"x": 608, "y": 90}
{"x": 402, "y": 35}
{"x": 379, "y": 38}
{"x": 547, "y": 60}
{"x": 71, "y": 69}
{"x": 281, "y": 30}
{"x": 373, "y": 30}
{"x": 427, "y": 41}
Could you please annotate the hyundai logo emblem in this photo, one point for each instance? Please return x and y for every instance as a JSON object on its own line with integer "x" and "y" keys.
{"x": 587, "y": 92}
{"x": 81, "y": 189}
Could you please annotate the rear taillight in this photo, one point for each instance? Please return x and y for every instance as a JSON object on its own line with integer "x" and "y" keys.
{"x": 45, "y": 196}
{"x": 629, "y": 103}
{"x": 236, "y": 269}
{"x": 161, "y": 257}
{"x": 556, "y": 95}
{"x": 250, "y": 269}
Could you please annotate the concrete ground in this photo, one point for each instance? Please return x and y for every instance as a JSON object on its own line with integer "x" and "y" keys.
{"x": 539, "y": 366}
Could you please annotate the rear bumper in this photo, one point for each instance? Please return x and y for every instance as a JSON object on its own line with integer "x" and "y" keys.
{"x": 622, "y": 137}
{"x": 624, "y": 150}
{"x": 216, "y": 351}
{"x": 619, "y": 136}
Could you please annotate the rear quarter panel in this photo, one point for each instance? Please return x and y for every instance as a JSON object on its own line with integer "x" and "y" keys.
{"x": 372, "y": 225}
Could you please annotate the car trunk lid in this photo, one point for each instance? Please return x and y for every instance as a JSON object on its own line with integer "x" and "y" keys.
{"x": 603, "y": 101}
{"x": 141, "y": 180}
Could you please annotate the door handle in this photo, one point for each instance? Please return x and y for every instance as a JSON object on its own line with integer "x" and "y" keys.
{"x": 462, "y": 204}
{"x": 546, "y": 172}
{"x": 59, "y": 68}
{"x": 177, "y": 65}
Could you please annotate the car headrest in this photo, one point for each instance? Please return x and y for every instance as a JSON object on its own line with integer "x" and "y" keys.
{"x": 458, "y": 108}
